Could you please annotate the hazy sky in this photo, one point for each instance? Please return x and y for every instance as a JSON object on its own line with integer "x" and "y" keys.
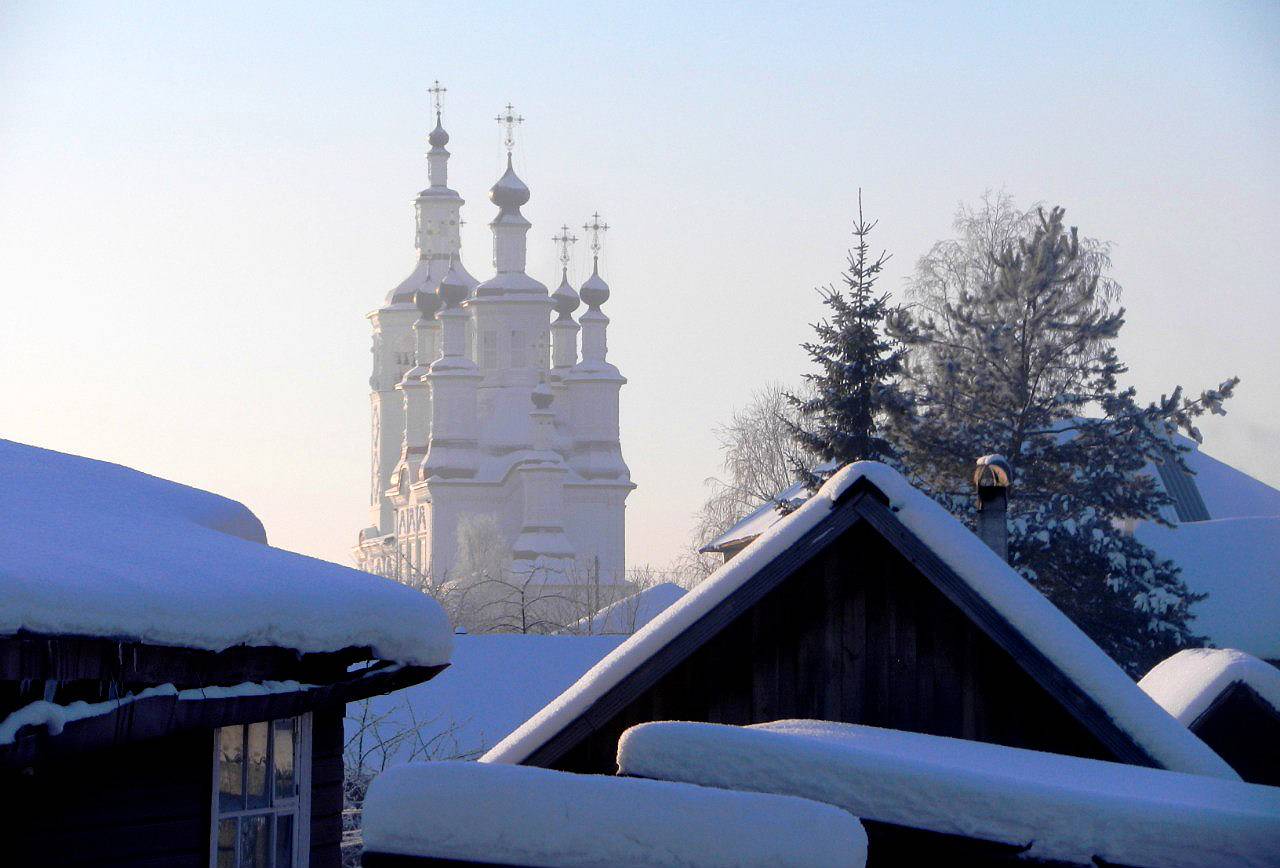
{"x": 198, "y": 206}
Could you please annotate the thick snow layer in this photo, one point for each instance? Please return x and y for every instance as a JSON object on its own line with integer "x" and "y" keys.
{"x": 1064, "y": 808}
{"x": 1236, "y": 561}
{"x": 493, "y": 684}
{"x": 1009, "y": 594}
{"x": 529, "y": 816}
{"x": 55, "y": 717}
{"x": 1187, "y": 683}
{"x": 629, "y": 614}
{"x": 89, "y": 548}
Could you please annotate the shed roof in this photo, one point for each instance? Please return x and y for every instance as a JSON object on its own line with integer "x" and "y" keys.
{"x": 93, "y": 549}
{"x": 1049, "y": 645}
{"x": 1044, "y": 806}
{"x": 1187, "y": 684}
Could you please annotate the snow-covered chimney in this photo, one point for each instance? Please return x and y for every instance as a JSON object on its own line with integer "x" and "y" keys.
{"x": 991, "y": 478}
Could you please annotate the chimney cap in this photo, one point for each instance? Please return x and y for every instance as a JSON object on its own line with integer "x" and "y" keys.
{"x": 992, "y": 471}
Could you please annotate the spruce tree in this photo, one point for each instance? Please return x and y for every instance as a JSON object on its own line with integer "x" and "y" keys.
{"x": 854, "y": 393}
{"x": 1025, "y": 365}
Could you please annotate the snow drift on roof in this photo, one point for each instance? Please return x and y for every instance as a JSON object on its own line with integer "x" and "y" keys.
{"x": 89, "y": 548}
{"x": 1065, "y": 808}
{"x": 1043, "y": 625}
{"x": 1187, "y": 683}
{"x": 527, "y": 816}
{"x": 1236, "y": 561}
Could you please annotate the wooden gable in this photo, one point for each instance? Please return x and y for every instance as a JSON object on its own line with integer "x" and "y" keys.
{"x": 1245, "y": 731}
{"x": 857, "y": 622}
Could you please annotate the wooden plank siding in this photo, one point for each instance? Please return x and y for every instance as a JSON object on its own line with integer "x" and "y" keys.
{"x": 143, "y": 803}
{"x": 326, "y": 786}
{"x": 149, "y": 802}
{"x": 1245, "y": 731}
{"x": 857, "y": 634}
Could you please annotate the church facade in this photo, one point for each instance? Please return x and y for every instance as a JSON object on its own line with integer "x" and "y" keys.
{"x": 484, "y": 413}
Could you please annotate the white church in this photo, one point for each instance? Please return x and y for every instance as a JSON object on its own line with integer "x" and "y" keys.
{"x": 483, "y": 409}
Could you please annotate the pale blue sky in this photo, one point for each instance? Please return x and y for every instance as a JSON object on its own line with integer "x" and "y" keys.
{"x": 198, "y": 206}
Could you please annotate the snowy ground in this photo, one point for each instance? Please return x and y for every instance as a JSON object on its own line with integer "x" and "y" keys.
{"x": 494, "y": 683}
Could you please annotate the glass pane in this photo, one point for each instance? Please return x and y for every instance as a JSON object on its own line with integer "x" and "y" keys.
{"x": 285, "y": 734}
{"x": 284, "y": 841}
{"x": 254, "y": 841}
{"x": 227, "y": 843}
{"x": 256, "y": 765}
{"x": 231, "y": 768}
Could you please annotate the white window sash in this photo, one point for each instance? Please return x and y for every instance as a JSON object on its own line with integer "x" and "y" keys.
{"x": 299, "y": 806}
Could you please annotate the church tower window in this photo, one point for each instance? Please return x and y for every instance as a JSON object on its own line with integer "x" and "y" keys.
{"x": 488, "y": 350}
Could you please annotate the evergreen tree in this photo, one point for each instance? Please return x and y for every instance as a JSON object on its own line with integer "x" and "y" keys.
{"x": 854, "y": 393}
{"x": 1024, "y": 364}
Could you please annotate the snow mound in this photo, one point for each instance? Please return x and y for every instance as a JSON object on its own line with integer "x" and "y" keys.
{"x": 89, "y": 548}
{"x": 527, "y": 816}
{"x": 1187, "y": 683}
{"x": 629, "y": 614}
{"x": 1025, "y": 608}
{"x": 1060, "y": 807}
{"x": 1236, "y": 561}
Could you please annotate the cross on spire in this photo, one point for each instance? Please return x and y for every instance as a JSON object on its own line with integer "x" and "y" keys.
{"x": 509, "y": 120}
{"x": 595, "y": 227}
{"x": 566, "y": 241}
{"x": 437, "y": 96}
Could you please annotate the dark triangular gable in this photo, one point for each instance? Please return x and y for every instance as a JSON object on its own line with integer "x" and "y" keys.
{"x": 858, "y": 588}
{"x": 1245, "y": 731}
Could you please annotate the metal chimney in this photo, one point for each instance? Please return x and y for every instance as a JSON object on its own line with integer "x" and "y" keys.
{"x": 991, "y": 478}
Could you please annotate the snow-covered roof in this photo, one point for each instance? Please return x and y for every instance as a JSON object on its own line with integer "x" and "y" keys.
{"x": 1025, "y": 609}
{"x": 89, "y": 548}
{"x": 494, "y": 683}
{"x": 629, "y": 614}
{"x": 515, "y": 815}
{"x": 1187, "y": 683}
{"x": 1060, "y": 807}
{"x": 1236, "y": 561}
{"x": 1225, "y": 492}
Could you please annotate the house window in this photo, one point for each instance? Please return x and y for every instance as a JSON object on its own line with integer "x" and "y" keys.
{"x": 261, "y": 794}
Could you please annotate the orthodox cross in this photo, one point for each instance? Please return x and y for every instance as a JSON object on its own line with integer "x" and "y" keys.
{"x": 509, "y": 120}
{"x": 437, "y": 93}
{"x": 565, "y": 240}
{"x": 595, "y": 227}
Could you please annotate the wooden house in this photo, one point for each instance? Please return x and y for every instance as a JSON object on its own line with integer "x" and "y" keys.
{"x": 868, "y": 604}
{"x": 1228, "y": 698}
{"x": 171, "y": 687}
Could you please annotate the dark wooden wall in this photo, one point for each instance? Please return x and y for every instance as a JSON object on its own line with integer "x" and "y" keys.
{"x": 144, "y": 804}
{"x": 148, "y": 804}
{"x": 1245, "y": 731}
{"x": 857, "y": 635}
{"x": 326, "y": 787}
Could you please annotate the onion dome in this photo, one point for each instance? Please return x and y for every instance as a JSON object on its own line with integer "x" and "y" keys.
{"x": 510, "y": 191}
{"x": 564, "y": 300}
{"x": 453, "y": 290}
{"x": 438, "y": 138}
{"x": 595, "y": 291}
{"x": 427, "y": 302}
{"x": 542, "y": 396}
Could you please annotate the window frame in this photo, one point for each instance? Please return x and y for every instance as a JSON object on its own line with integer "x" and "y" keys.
{"x": 302, "y": 775}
